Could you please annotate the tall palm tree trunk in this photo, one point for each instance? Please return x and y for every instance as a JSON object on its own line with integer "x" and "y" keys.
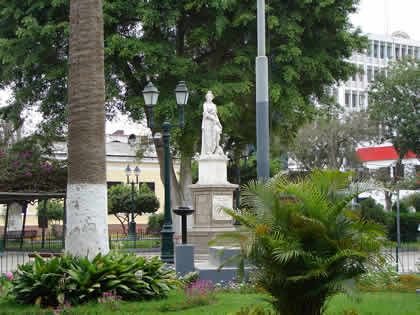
{"x": 87, "y": 221}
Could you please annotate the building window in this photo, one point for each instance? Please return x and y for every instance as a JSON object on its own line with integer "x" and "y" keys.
{"x": 397, "y": 51}
{"x": 354, "y": 99}
{"x": 389, "y": 52}
{"x": 375, "y": 50}
{"x": 369, "y": 74}
{"x": 151, "y": 185}
{"x": 347, "y": 99}
{"x": 398, "y": 172}
{"x": 410, "y": 51}
{"x": 110, "y": 184}
{"x": 416, "y": 53}
{"x": 382, "y": 51}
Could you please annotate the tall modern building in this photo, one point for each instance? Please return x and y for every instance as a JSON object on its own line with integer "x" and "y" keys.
{"x": 352, "y": 95}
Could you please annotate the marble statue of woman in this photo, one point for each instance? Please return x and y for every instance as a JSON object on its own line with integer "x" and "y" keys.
{"x": 211, "y": 129}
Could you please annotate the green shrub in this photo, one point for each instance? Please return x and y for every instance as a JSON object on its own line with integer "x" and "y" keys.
{"x": 305, "y": 240}
{"x": 413, "y": 200}
{"x": 81, "y": 280}
{"x": 370, "y": 210}
{"x": 403, "y": 207}
{"x": 155, "y": 223}
{"x": 408, "y": 226}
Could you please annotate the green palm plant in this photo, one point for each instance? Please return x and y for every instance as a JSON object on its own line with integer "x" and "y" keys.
{"x": 304, "y": 240}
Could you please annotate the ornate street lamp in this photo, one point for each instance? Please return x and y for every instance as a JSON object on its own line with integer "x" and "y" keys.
{"x": 151, "y": 94}
{"x": 132, "y": 235}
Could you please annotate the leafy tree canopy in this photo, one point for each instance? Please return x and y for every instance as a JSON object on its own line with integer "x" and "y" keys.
{"x": 210, "y": 44}
{"x": 331, "y": 142}
{"x": 395, "y": 104}
{"x": 120, "y": 202}
{"x": 54, "y": 210}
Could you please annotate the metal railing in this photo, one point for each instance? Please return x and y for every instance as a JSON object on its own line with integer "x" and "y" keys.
{"x": 406, "y": 258}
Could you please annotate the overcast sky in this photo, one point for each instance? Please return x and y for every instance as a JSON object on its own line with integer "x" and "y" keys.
{"x": 374, "y": 16}
{"x": 382, "y": 16}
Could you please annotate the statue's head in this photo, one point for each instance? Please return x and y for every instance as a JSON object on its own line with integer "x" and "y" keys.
{"x": 209, "y": 96}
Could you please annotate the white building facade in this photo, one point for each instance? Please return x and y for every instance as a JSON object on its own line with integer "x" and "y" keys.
{"x": 353, "y": 94}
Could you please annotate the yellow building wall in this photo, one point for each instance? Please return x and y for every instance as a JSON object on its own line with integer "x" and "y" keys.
{"x": 150, "y": 172}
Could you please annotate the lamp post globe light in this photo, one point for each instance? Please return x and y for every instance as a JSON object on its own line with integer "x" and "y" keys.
{"x": 151, "y": 94}
{"x": 132, "y": 235}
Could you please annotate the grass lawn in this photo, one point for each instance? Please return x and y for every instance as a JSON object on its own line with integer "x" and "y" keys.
{"x": 226, "y": 302}
{"x": 380, "y": 303}
{"x": 153, "y": 243}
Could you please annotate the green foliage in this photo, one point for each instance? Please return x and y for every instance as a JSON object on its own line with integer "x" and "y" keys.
{"x": 155, "y": 222}
{"x": 304, "y": 240}
{"x": 370, "y": 210}
{"x": 81, "y": 280}
{"x": 379, "y": 279}
{"x": 54, "y": 210}
{"x": 403, "y": 206}
{"x": 254, "y": 310}
{"x": 413, "y": 200}
{"x": 24, "y": 167}
{"x": 394, "y": 103}
{"x": 331, "y": 142}
{"x": 189, "y": 278}
{"x": 213, "y": 44}
{"x": 409, "y": 223}
{"x": 120, "y": 202}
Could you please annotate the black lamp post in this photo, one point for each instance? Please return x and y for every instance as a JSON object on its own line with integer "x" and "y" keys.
{"x": 151, "y": 94}
{"x": 132, "y": 235}
{"x": 238, "y": 181}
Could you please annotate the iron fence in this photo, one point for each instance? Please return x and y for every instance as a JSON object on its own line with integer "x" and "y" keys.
{"x": 54, "y": 242}
{"x": 406, "y": 258}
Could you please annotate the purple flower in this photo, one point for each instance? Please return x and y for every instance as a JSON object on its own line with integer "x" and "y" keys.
{"x": 29, "y": 165}
{"x": 9, "y": 276}
{"x": 28, "y": 174}
{"x": 15, "y": 164}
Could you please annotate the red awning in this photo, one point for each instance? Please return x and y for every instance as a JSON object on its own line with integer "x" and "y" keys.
{"x": 380, "y": 154}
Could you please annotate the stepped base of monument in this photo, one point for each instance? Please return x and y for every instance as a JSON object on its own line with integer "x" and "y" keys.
{"x": 201, "y": 237}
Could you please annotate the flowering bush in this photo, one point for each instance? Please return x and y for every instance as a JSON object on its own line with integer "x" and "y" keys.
{"x": 239, "y": 286}
{"x": 25, "y": 167}
{"x": 111, "y": 300}
{"x": 5, "y": 283}
{"x": 200, "y": 292}
{"x": 64, "y": 306}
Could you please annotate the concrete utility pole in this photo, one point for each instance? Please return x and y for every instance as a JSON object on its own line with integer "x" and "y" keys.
{"x": 263, "y": 137}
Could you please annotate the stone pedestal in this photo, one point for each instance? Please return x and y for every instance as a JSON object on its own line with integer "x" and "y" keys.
{"x": 212, "y": 170}
{"x": 208, "y": 220}
{"x": 184, "y": 259}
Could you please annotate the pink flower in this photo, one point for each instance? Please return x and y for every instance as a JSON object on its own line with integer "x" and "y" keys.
{"x": 29, "y": 165}
{"x": 28, "y": 174}
{"x": 9, "y": 276}
{"x": 15, "y": 164}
